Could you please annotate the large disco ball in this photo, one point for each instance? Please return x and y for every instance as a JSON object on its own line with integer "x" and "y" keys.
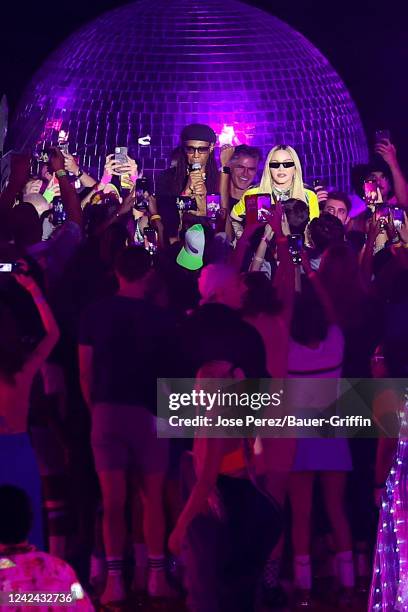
{"x": 149, "y": 68}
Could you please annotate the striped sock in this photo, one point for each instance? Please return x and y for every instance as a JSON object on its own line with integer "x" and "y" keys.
{"x": 115, "y": 566}
{"x": 157, "y": 563}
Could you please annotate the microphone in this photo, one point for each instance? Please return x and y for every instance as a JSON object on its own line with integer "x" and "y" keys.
{"x": 196, "y": 166}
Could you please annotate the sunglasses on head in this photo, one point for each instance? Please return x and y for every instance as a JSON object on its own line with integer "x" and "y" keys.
{"x": 200, "y": 150}
{"x": 276, "y": 165}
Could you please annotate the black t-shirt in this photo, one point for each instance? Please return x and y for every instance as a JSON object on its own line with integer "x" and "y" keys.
{"x": 129, "y": 338}
{"x": 215, "y": 332}
{"x": 166, "y": 195}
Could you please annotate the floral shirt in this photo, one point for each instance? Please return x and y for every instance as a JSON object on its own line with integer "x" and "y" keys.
{"x": 25, "y": 572}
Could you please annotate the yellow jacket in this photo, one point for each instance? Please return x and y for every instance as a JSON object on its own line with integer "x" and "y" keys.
{"x": 238, "y": 211}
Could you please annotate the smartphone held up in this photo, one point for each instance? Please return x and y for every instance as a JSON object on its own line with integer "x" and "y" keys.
{"x": 295, "y": 243}
{"x": 258, "y": 207}
{"x": 382, "y": 136}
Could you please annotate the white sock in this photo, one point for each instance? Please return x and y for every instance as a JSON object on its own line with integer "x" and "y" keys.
{"x": 303, "y": 572}
{"x": 115, "y": 566}
{"x": 345, "y": 569}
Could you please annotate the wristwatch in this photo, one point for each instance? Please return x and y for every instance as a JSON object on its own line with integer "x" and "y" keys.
{"x": 80, "y": 173}
{"x": 226, "y": 170}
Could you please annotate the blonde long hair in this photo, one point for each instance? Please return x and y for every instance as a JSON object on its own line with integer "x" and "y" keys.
{"x": 297, "y": 189}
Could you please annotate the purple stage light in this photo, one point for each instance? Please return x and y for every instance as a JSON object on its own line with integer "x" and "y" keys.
{"x": 149, "y": 68}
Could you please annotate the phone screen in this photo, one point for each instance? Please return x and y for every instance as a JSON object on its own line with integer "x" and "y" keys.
{"x": 398, "y": 216}
{"x": 264, "y": 206}
{"x": 257, "y": 207}
{"x": 370, "y": 192}
{"x": 6, "y": 267}
{"x": 213, "y": 206}
{"x": 382, "y": 135}
{"x": 318, "y": 183}
{"x": 58, "y": 214}
{"x": 295, "y": 242}
{"x": 121, "y": 154}
{"x": 185, "y": 203}
{"x": 150, "y": 238}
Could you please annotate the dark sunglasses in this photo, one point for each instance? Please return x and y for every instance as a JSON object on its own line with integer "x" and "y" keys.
{"x": 200, "y": 150}
{"x": 276, "y": 165}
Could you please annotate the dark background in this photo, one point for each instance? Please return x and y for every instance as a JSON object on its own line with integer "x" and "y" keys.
{"x": 367, "y": 44}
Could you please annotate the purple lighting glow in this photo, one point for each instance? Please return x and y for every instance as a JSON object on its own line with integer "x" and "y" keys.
{"x": 152, "y": 67}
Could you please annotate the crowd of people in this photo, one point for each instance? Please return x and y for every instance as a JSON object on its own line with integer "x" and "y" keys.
{"x": 225, "y": 269}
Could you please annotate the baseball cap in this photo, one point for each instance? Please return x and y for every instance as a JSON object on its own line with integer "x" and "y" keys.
{"x": 191, "y": 255}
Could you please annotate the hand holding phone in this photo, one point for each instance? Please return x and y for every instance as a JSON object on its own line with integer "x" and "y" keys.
{"x": 121, "y": 159}
{"x": 213, "y": 206}
{"x": 150, "y": 238}
{"x": 258, "y": 208}
{"x": 295, "y": 243}
{"x": 382, "y": 136}
{"x": 372, "y": 194}
{"x": 185, "y": 203}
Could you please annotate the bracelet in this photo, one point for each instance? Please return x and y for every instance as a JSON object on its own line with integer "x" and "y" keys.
{"x": 265, "y": 239}
{"x": 60, "y": 173}
{"x": 155, "y": 218}
{"x": 80, "y": 173}
{"x": 261, "y": 259}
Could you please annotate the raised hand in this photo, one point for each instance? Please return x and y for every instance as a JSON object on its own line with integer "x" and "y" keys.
{"x": 322, "y": 195}
{"x": 227, "y": 151}
{"x": 130, "y": 167}
{"x": 112, "y": 166}
{"x": 387, "y": 151}
{"x": 70, "y": 163}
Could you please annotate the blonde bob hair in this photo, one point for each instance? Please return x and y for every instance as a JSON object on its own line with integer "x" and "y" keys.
{"x": 297, "y": 190}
